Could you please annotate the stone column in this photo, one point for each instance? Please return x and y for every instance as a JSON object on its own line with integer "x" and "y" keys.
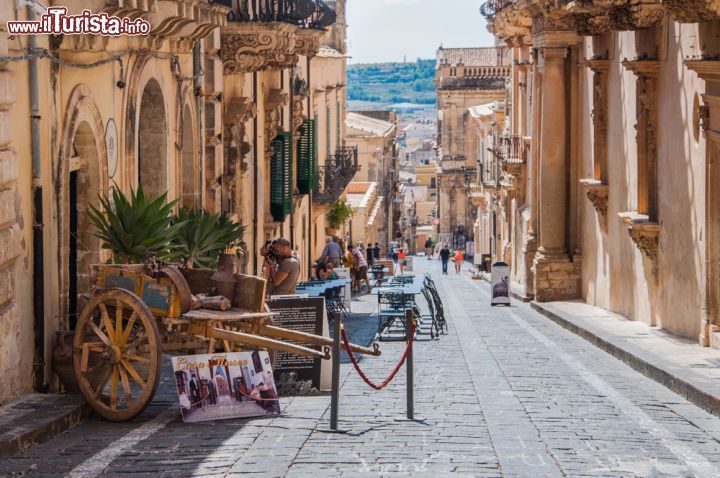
{"x": 553, "y": 154}
{"x": 556, "y": 276}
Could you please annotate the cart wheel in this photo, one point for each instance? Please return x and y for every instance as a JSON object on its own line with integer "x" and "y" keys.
{"x": 116, "y": 354}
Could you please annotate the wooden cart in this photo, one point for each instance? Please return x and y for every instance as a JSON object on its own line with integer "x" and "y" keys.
{"x": 133, "y": 318}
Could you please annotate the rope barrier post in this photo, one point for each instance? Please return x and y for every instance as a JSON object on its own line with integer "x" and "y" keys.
{"x": 409, "y": 331}
{"x": 335, "y": 392}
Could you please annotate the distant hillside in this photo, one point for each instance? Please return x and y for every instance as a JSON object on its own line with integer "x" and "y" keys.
{"x": 393, "y": 83}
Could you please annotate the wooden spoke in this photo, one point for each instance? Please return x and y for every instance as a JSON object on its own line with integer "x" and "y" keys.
{"x": 103, "y": 381}
{"x": 95, "y": 367}
{"x": 133, "y": 373}
{"x": 128, "y": 329}
{"x": 114, "y": 387}
{"x": 87, "y": 348}
{"x": 119, "y": 391}
{"x": 136, "y": 343}
{"x": 136, "y": 358}
{"x": 99, "y": 333}
{"x": 106, "y": 321}
{"x": 118, "y": 322}
{"x": 125, "y": 384}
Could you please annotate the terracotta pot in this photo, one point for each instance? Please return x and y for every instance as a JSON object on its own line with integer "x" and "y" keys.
{"x": 62, "y": 360}
{"x": 223, "y": 281}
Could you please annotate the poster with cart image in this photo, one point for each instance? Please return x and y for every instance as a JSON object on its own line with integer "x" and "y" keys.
{"x": 225, "y": 385}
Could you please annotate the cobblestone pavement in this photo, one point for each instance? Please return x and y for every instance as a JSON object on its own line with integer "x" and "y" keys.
{"x": 505, "y": 393}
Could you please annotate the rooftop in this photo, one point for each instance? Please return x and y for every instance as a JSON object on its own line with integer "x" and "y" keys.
{"x": 486, "y": 56}
{"x": 368, "y": 126}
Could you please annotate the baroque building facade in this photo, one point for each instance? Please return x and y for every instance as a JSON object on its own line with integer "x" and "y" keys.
{"x": 465, "y": 77}
{"x": 234, "y": 107}
{"x": 608, "y": 147}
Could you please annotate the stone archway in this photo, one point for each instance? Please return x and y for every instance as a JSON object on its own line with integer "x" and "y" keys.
{"x": 83, "y": 177}
{"x": 152, "y": 137}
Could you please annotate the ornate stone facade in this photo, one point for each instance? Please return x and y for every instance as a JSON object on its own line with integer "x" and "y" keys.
{"x": 622, "y": 180}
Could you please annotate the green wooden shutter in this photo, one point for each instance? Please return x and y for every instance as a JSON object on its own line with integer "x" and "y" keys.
{"x": 329, "y": 134}
{"x": 281, "y": 177}
{"x": 307, "y": 157}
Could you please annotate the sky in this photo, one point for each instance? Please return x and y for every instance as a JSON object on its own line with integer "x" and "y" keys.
{"x": 389, "y": 30}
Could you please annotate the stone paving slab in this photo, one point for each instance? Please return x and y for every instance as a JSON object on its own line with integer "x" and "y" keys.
{"x": 35, "y": 418}
{"x": 680, "y": 364}
{"x": 506, "y": 392}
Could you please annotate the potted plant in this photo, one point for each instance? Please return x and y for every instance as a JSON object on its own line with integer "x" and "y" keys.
{"x": 338, "y": 214}
{"x": 132, "y": 228}
{"x": 202, "y": 237}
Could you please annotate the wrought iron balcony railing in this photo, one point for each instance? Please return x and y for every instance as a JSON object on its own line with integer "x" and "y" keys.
{"x": 513, "y": 149}
{"x": 306, "y": 13}
{"x": 335, "y": 175}
{"x": 491, "y": 8}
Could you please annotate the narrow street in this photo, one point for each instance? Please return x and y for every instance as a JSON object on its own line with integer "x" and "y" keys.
{"x": 506, "y": 392}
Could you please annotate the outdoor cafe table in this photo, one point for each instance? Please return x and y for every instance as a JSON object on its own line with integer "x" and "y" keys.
{"x": 316, "y": 289}
{"x": 413, "y": 288}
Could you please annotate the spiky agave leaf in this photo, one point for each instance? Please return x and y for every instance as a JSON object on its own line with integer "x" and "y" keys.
{"x": 134, "y": 228}
{"x": 202, "y": 236}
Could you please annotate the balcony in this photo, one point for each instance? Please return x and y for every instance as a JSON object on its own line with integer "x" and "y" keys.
{"x": 491, "y": 8}
{"x": 335, "y": 175}
{"x": 305, "y": 13}
{"x": 272, "y": 34}
{"x": 512, "y": 154}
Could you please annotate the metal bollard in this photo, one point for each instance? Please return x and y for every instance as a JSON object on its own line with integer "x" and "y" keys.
{"x": 335, "y": 392}
{"x": 409, "y": 317}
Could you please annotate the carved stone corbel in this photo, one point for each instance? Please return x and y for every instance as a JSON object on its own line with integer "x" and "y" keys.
{"x": 636, "y": 16}
{"x": 250, "y": 46}
{"x": 646, "y": 236}
{"x": 644, "y": 233}
{"x": 693, "y": 11}
{"x": 597, "y": 193}
{"x": 237, "y": 145}
{"x": 273, "y": 102}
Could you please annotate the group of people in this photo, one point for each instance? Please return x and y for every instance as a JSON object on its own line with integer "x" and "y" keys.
{"x": 356, "y": 258}
{"x": 458, "y": 258}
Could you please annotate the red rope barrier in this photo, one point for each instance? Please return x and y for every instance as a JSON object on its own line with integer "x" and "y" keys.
{"x": 392, "y": 374}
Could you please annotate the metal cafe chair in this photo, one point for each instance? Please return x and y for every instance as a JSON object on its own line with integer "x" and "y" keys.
{"x": 391, "y": 308}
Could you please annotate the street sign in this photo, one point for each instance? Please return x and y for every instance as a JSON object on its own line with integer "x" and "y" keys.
{"x": 436, "y": 222}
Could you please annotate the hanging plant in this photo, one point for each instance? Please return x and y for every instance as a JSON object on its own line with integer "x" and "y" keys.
{"x": 202, "y": 237}
{"x": 135, "y": 227}
{"x": 338, "y": 214}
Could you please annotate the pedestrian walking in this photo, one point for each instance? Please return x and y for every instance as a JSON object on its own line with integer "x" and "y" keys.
{"x": 370, "y": 255}
{"x": 459, "y": 259}
{"x": 361, "y": 269}
{"x": 401, "y": 260}
{"x": 429, "y": 248}
{"x": 376, "y": 251}
{"x": 444, "y": 258}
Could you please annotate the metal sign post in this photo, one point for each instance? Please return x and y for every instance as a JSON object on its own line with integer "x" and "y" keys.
{"x": 409, "y": 317}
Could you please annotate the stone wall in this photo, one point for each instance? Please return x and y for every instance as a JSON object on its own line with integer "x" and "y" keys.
{"x": 14, "y": 378}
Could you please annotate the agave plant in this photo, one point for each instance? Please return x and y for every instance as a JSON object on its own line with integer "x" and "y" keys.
{"x": 134, "y": 228}
{"x": 204, "y": 236}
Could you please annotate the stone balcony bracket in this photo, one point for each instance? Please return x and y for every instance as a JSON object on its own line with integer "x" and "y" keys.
{"x": 255, "y": 46}
{"x": 644, "y": 233}
{"x": 597, "y": 193}
{"x": 598, "y": 65}
{"x": 708, "y": 70}
{"x": 693, "y": 11}
{"x": 648, "y": 68}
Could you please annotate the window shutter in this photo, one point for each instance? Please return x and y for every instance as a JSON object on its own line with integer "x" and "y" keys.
{"x": 307, "y": 157}
{"x": 281, "y": 177}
